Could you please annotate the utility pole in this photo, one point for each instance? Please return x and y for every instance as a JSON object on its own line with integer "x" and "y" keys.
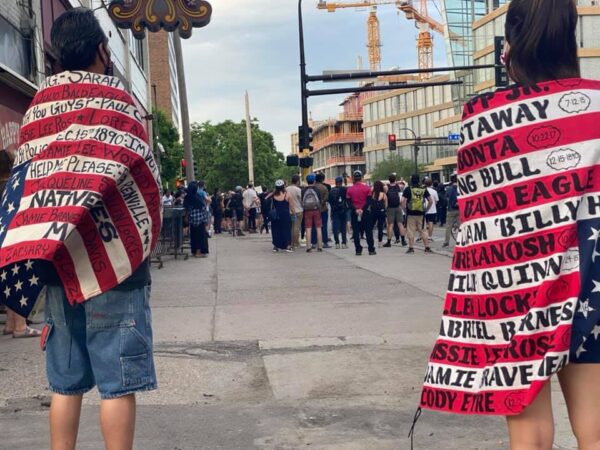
{"x": 185, "y": 112}
{"x": 249, "y": 139}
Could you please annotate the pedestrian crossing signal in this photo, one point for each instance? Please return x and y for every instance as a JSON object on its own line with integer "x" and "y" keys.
{"x": 392, "y": 142}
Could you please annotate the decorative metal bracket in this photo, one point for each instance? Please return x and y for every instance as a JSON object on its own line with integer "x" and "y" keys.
{"x": 171, "y": 15}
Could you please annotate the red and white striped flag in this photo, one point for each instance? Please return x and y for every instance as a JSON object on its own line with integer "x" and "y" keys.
{"x": 83, "y": 194}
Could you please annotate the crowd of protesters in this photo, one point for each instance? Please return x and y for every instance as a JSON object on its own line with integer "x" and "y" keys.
{"x": 303, "y": 214}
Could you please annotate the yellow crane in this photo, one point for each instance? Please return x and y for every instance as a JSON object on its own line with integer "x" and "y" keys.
{"x": 419, "y": 15}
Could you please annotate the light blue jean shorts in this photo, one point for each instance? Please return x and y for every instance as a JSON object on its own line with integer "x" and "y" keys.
{"x": 104, "y": 342}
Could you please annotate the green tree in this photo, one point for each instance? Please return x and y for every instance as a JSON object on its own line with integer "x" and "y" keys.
{"x": 168, "y": 136}
{"x": 221, "y": 152}
{"x": 402, "y": 167}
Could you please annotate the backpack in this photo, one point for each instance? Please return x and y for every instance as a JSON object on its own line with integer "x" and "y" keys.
{"x": 310, "y": 200}
{"x": 417, "y": 199}
{"x": 337, "y": 199}
{"x": 393, "y": 195}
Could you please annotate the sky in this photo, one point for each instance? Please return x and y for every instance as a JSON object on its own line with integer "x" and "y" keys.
{"x": 253, "y": 45}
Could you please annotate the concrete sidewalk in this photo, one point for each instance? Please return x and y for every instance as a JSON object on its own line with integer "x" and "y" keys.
{"x": 256, "y": 350}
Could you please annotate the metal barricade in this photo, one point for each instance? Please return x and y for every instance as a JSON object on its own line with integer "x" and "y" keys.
{"x": 171, "y": 241}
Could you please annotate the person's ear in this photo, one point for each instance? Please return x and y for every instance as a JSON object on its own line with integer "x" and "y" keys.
{"x": 104, "y": 54}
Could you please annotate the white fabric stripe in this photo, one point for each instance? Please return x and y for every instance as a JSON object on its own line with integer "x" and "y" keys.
{"x": 55, "y": 108}
{"x": 498, "y": 331}
{"x": 492, "y": 280}
{"x": 539, "y": 160}
{"x": 563, "y": 208}
{"x": 35, "y": 232}
{"x": 75, "y": 164}
{"x": 83, "y": 267}
{"x": 499, "y": 376}
{"x": 553, "y": 112}
{"x": 81, "y": 77}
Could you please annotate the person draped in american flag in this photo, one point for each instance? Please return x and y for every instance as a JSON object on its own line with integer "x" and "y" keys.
{"x": 80, "y": 216}
{"x": 523, "y": 301}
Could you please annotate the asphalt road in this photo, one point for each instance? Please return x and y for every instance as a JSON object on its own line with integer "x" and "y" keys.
{"x": 256, "y": 350}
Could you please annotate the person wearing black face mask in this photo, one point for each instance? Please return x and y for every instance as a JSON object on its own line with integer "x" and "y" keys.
{"x": 82, "y": 46}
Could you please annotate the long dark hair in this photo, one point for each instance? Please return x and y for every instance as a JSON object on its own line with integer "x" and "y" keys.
{"x": 192, "y": 199}
{"x": 377, "y": 189}
{"x": 543, "y": 44}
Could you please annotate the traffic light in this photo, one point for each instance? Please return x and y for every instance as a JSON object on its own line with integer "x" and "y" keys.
{"x": 305, "y": 137}
{"x": 309, "y": 139}
{"x": 307, "y": 162}
{"x": 196, "y": 171}
{"x": 392, "y": 142}
{"x": 292, "y": 161}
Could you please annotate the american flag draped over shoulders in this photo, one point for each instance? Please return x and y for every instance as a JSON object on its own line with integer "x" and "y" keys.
{"x": 524, "y": 292}
{"x": 83, "y": 194}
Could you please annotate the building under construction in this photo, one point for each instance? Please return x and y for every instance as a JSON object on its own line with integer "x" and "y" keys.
{"x": 338, "y": 142}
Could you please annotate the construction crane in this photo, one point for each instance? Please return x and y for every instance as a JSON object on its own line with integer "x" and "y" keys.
{"x": 424, "y": 22}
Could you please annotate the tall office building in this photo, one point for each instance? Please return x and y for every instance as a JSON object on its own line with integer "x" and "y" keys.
{"x": 493, "y": 22}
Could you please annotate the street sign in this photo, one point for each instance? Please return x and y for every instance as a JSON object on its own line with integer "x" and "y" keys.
{"x": 454, "y": 138}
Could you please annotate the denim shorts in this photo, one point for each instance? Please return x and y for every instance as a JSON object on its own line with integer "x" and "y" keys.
{"x": 104, "y": 342}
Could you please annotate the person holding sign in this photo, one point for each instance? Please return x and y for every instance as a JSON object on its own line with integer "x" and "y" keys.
{"x": 523, "y": 302}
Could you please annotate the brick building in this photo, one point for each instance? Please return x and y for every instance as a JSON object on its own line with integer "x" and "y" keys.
{"x": 163, "y": 75}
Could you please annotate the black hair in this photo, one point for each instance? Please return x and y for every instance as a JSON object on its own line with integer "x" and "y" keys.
{"x": 320, "y": 177}
{"x": 295, "y": 179}
{"x": 200, "y": 183}
{"x": 75, "y": 38}
{"x": 392, "y": 178}
{"x": 414, "y": 180}
{"x": 543, "y": 44}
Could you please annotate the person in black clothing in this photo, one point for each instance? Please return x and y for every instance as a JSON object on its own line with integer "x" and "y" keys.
{"x": 339, "y": 212}
{"x": 196, "y": 208}
{"x": 236, "y": 205}
{"x": 378, "y": 206}
{"x": 217, "y": 211}
{"x": 265, "y": 206}
{"x": 442, "y": 206}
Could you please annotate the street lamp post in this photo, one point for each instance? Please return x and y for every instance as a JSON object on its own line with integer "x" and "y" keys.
{"x": 415, "y": 147}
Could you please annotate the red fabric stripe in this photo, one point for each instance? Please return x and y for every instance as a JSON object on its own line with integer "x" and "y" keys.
{"x": 515, "y": 250}
{"x": 64, "y": 214}
{"x": 533, "y": 192}
{"x": 513, "y": 303}
{"x": 82, "y": 90}
{"x": 506, "y": 96}
{"x": 87, "y": 116}
{"x": 508, "y": 402}
{"x": 528, "y": 139}
{"x": 522, "y": 347}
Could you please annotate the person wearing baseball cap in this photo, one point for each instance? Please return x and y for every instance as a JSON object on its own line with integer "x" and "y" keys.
{"x": 362, "y": 219}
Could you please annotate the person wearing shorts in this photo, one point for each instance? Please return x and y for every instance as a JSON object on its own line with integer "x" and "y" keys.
{"x": 413, "y": 200}
{"x": 106, "y": 341}
{"x": 312, "y": 214}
